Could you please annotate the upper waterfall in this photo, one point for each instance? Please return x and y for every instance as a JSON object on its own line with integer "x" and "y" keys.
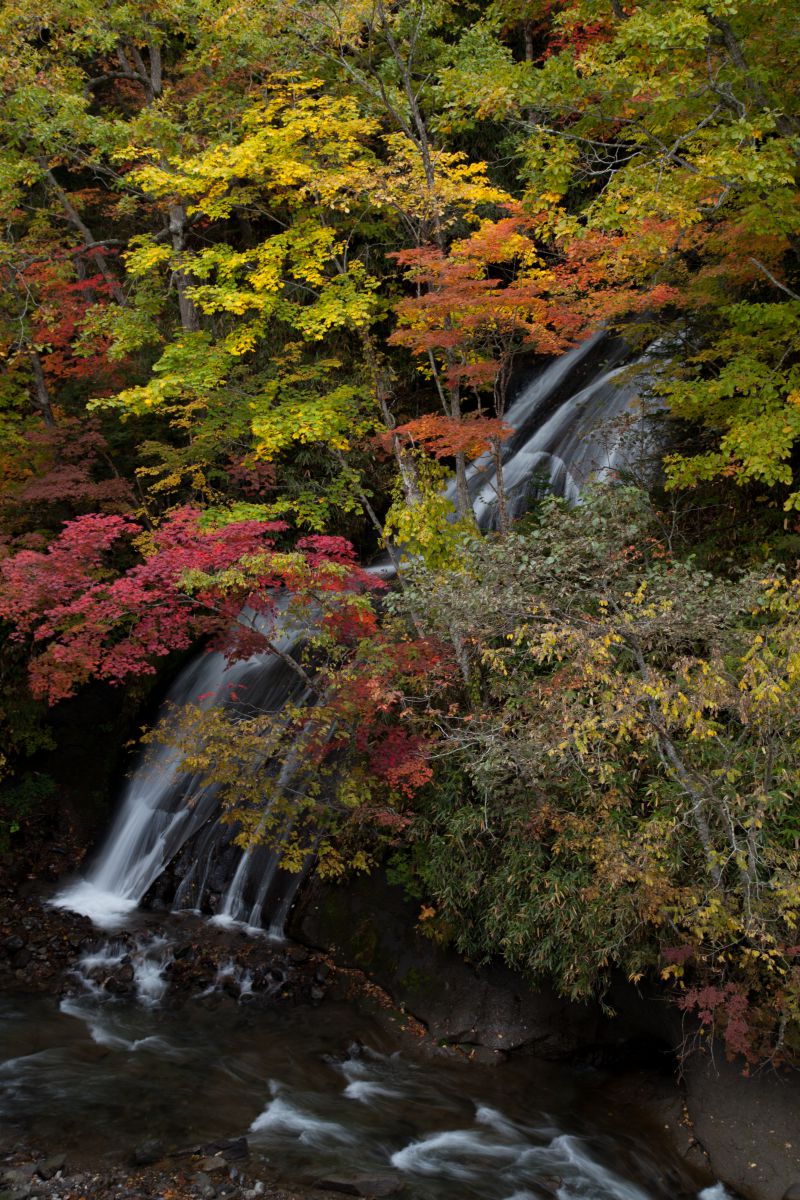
{"x": 569, "y": 426}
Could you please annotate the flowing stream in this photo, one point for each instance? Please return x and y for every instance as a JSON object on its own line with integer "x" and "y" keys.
{"x": 319, "y": 1098}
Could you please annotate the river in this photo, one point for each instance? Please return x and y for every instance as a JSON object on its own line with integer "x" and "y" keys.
{"x": 318, "y": 1092}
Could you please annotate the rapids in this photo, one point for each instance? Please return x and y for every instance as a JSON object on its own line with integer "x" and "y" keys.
{"x": 318, "y": 1093}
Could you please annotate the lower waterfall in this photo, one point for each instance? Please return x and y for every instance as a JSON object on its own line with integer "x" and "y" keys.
{"x": 164, "y": 812}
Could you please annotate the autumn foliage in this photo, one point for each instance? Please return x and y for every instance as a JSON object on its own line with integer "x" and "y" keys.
{"x": 86, "y": 620}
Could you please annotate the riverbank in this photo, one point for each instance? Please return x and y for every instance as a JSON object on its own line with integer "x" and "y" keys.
{"x": 195, "y": 1175}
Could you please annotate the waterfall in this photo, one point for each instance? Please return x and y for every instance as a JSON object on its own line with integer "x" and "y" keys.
{"x": 567, "y": 428}
{"x": 570, "y": 426}
{"x": 163, "y": 809}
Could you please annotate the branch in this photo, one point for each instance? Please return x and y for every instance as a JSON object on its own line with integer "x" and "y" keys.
{"x": 772, "y": 279}
{"x": 77, "y": 222}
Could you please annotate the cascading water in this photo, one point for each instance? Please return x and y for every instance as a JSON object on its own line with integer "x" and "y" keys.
{"x": 568, "y": 427}
{"x": 572, "y": 423}
{"x": 163, "y": 809}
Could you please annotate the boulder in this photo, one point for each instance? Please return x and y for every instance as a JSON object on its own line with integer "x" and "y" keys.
{"x": 212, "y": 1164}
{"x": 147, "y": 1152}
{"x": 372, "y": 1187}
{"x": 748, "y": 1126}
{"x": 51, "y": 1166}
{"x": 369, "y": 924}
{"x": 231, "y": 1149}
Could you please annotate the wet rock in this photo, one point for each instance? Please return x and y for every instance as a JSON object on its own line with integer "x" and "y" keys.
{"x": 18, "y": 1176}
{"x": 14, "y": 943}
{"x": 147, "y": 1152}
{"x": 549, "y": 1185}
{"x": 361, "y": 1185}
{"x": 748, "y": 1126}
{"x": 317, "y": 993}
{"x": 51, "y": 1166}
{"x": 297, "y": 953}
{"x": 121, "y": 982}
{"x": 210, "y": 1165}
{"x": 204, "y": 1185}
{"x": 231, "y": 1149}
{"x": 792, "y": 1192}
{"x": 484, "y": 1055}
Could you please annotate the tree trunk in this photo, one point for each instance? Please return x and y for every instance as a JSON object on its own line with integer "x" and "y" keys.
{"x": 77, "y": 223}
{"x": 41, "y": 395}
{"x": 406, "y": 465}
{"x": 190, "y": 318}
{"x": 502, "y": 505}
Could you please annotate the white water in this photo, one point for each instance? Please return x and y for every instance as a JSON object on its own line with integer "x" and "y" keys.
{"x": 571, "y": 425}
{"x": 161, "y": 809}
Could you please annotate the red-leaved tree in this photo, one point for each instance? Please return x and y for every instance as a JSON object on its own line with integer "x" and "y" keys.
{"x": 106, "y": 599}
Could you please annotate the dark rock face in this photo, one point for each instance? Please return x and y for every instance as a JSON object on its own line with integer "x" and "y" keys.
{"x": 370, "y": 925}
{"x": 750, "y": 1127}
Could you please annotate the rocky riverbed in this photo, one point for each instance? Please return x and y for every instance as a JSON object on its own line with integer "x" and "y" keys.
{"x": 200, "y": 1173}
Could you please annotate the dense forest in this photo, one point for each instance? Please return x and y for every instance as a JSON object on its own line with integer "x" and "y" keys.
{"x": 271, "y": 275}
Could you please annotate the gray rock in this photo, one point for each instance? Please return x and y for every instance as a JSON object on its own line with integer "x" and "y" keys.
{"x": 792, "y": 1192}
{"x": 19, "y": 1176}
{"x": 51, "y": 1166}
{"x": 147, "y": 1152}
{"x": 204, "y": 1185}
{"x": 210, "y": 1165}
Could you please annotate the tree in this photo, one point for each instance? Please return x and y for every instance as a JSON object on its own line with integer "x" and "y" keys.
{"x": 628, "y": 759}
{"x": 84, "y": 619}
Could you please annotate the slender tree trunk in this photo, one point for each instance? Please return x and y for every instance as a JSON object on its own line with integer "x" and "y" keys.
{"x": 502, "y": 503}
{"x": 41, "y": 394}
{"x": 407, "y": 467}
{"x": 80, "y": 227}
{"x": 190, "y": 318}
